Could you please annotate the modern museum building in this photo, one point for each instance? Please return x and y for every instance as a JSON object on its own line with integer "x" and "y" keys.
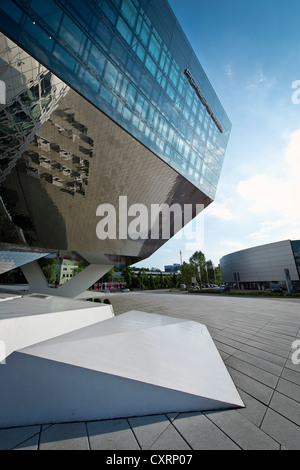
{"x": 104, "y": 99}
{"x": 107, "y": 119}
{"x": 264, "y": 266}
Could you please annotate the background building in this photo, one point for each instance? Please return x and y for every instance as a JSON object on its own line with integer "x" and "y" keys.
{"x": 103, "y": 99}
{"x": 173, "y": 268}
{"x": 263, "y": 266}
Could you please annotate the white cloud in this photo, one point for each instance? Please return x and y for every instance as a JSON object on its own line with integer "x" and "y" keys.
{"x": 229, "y": 72}
{"x": 220, "y": 210}
{"x": 260, "y": 79}
{"x": 232, "y": 244}
{"x": 276, "y": 194}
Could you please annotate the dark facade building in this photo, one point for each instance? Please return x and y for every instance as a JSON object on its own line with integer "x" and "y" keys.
{"x": 104, "y": 98}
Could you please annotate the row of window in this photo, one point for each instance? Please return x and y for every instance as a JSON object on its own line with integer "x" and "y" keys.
{"x": 181, "y": 129}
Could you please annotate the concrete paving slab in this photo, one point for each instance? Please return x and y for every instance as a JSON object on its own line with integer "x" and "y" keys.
{"x": 244, "y": 433}
{"x": 289, "y": 389}
{"x": 286, "y": 407}
{"x": 254, "y": 410}
{"x": 282, "y": 430}
{"x": 114, "y": 434}
{"x": 261, "y": 392}
{"x": 252, "y": 371}
{"x": 66, "y": 436}
{"x": 11, "y": 438}
{"x": 157, "y": 432}
{"x": 201, "y": 433}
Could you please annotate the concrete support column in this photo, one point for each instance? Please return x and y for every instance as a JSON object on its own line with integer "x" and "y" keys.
{"x": 74, "y": 287}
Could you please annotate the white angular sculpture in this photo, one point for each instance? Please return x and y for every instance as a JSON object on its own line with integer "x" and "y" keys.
{"x": 30, "y": 319}
{"x": 134, "y": 364}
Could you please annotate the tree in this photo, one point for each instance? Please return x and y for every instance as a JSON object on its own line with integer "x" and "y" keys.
{"x": 108, "y": 277}
{"x": 187, "y": 272}
{"x": 78, "y": 268}
{"x": 128, "y": 274}
{"x": 50, "y": 273}
{"x": 197, "y": 260}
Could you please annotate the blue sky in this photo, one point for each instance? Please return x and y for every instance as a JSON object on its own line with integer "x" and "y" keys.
{"x": 249, "y": 50}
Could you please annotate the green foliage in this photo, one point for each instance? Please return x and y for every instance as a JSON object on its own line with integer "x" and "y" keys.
{"x": 50, "y": 273}
{"x": 145, "y": 278}
{"x": 108, "y": 277}
{"x": 106, "y": 301}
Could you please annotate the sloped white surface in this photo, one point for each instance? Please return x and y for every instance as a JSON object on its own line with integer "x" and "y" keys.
{"x": 30, "y": 319}
{"x": 163, "y": 351}
{"x": 134, "y": 364}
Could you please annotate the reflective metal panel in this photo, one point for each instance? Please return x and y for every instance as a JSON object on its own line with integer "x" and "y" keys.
{"x": 265, "y": 263}
{"x": 74, "y": 159}
{"x": 130, "y": 61}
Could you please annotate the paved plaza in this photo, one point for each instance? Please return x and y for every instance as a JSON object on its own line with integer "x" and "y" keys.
{"x": 254, "y": 338}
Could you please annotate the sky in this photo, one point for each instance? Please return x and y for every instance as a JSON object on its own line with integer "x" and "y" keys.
{"x": 249, "y": 50}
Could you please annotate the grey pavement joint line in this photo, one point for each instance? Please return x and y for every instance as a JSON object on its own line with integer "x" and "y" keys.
{"x": 222, "y": 430}
{"x": 174, "y": 427}
{"x": 28, "y": 439}
{"x": 87, "y": 436}
{"x": 269, "y": 404}
{"x": 132, "y": 430}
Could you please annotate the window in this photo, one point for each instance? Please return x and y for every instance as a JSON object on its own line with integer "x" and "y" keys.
{"x": 140, "y": 51}
{"x": 151, "y": 65}
{"x": 129, "y": 11}
{"x": 91, "y": 81}
{"x": 154, "y": 47}
{"x": 124, "y": 30}
{"x": 109, "y": 12}
{"x": 111, "y": 74}
{"x": 48, "y": 11}
{"x": 71, "y": 33}
{"x": 145, "y": 33}
{"x": 96, "y": 59}
{"x": 173, "y": 75}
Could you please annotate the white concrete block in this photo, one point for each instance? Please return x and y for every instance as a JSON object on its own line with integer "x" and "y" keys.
{"x": 133, "y": 364}
{"x": 30, "y": 319}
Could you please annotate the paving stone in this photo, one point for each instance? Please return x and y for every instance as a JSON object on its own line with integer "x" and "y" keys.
{"x": 273, "y": 349}
{"x": 254, "y": 410}
{"x": 274, "y": 359}
{"x": 66, "y": 436}
{"x": 30, "y": 444}
{"x": 244, "y": 433}
{"x": 11, "y": 438}
{"x": 224, "y": 348}
{"x": 286, "y": 407}
{"x": 256, "y": 389}
{"x": 259, "y": 362}
{"x": 157, "y": 432}
{"x": 114, "y": 434}
{"x": 289, "y": 388}
{"x": 282, "y": 430}
{"x": 291, "y": 375}
{"x": 252, "y": 371}
{"x": 201, "y": 433}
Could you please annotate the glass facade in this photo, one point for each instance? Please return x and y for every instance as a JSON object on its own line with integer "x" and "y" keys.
{"x": 131, "y": 60}
{"x": 63, "y": 158}
{"x": 13, "y": 259}
{"x": 296, "y": 251}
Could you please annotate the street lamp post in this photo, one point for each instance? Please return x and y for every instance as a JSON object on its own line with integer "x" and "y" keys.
{"x": 199, "y": 272}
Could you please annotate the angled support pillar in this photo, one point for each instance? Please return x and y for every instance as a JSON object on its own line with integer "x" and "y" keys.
{"x": 71, "y": 289}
